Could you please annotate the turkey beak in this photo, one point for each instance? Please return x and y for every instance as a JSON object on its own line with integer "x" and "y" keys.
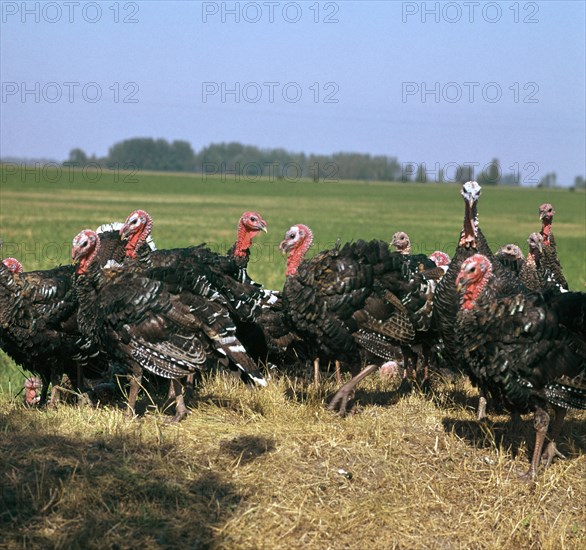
{"x": 540, "y": 247}
{"x": 263, "y": 227}
{"x": 124, "y": 234}
{"x": 283, "y": 248}
{"x": 460, "y": 284}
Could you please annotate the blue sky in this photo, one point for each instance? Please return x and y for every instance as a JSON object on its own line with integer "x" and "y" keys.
{"x": 392, "y": 78}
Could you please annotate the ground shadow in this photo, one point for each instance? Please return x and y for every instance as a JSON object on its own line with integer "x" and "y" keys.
{"x": 512, "y": 436}
{"x": 108, "y": 492}
{"x": 247, "y": 447}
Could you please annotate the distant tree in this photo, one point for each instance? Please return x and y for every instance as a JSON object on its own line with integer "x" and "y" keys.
{"x": 510, "y": 180}
{"x": 77, "y": 157}
{"x": 548, "y": 181}
{"x": 150, "y": 154}
{"x": 491, "y": 174}
{"x": 181, "y": 156}
{"x": 421, "y": 175}
{"x": 463, "y": 174}
{"x": 579, "y": 182}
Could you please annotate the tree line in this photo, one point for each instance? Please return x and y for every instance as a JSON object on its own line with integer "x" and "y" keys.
{"x": 249, "y": 163}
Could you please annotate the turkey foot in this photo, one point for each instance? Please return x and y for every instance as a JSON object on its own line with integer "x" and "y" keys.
{"x": 541, "y": 423}
{"x": 551, "y": 452}
{"x": 346, "y": 392}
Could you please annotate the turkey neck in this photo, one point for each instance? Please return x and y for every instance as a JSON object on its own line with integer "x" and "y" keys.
{"x": 470, "y": 228}
{"x": 546, "y": 231}
{"x": 243, "y": 241}
{"x": 137, "y": 247}
{"x": 296, "y": 257}
{"x": 87, "y": 286}
{"x": 10, "y": 293}
{"x": 532, "y": 258}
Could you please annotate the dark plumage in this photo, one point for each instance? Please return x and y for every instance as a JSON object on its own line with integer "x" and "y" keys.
{"x": 446, "y": 298}
{"x": 511, "y": 257}
{"x": 39, "y": 331}
{"x": 445, "y": 308}
{"x": 550, "y": 261}
{"x": 227, "y": 273}
{"x": 526, "y": 349}
{"x": 35, "y": 309}
{"x": 165, "y": 320}
{"x": 354, "y": 298}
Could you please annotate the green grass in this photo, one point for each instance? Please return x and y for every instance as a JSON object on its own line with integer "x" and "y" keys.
{"x": 38, "y": 220}
{"x": 260, "y": 469}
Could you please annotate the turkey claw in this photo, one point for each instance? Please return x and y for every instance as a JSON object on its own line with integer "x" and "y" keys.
{"x": 340, "y": 401}
{"x": 551, "y": 452}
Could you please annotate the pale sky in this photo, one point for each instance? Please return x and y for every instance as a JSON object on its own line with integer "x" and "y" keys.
{"x": 423, "y": 81}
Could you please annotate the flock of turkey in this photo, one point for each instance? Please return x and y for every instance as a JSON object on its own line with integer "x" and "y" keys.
{"x": 507, "y": 321}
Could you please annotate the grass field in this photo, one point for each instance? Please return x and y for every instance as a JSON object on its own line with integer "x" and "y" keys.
{"x": 273, "y": 468}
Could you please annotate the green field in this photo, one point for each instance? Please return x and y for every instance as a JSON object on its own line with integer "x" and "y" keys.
{"x": 38, "y": 219}
{"x": 261, "y": 469}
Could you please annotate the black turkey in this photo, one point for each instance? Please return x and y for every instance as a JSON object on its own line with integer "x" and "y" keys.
{"x": 446, "y": 298}
{"x": 511, "y": 257}
{"x": 550, "y": 256}
{"x": 38, "y": 311}
{"x": 354, "y": 298}
{"x": 526, "y": 349}
{"x": 163, "y": 320}
{"x": 246, "y": 299}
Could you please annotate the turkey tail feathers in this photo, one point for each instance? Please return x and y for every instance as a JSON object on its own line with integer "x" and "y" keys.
{"x": 565, "y": 396}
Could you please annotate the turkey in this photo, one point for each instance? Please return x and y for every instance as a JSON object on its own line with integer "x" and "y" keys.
{"x": 227, "y": 274}
{"x": 13, "y": 265}
{"x": 38, "y": 314}
{"x": 511, "y": 257}
{"x": 35, "y": 310}
{"x": 550, "y": 256}
{"x": 446, "y": 299}
{"x": 440, "y": 259}
{"x": 527, "y": 349}
{"x": 162, "y": 320}
{"x": 355, "y": 298}
{"x": 137, "y": 230}
{"x": 401, "y": 242}
{"x": 230, "y": 277}
{"x": 532, "y": 274}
